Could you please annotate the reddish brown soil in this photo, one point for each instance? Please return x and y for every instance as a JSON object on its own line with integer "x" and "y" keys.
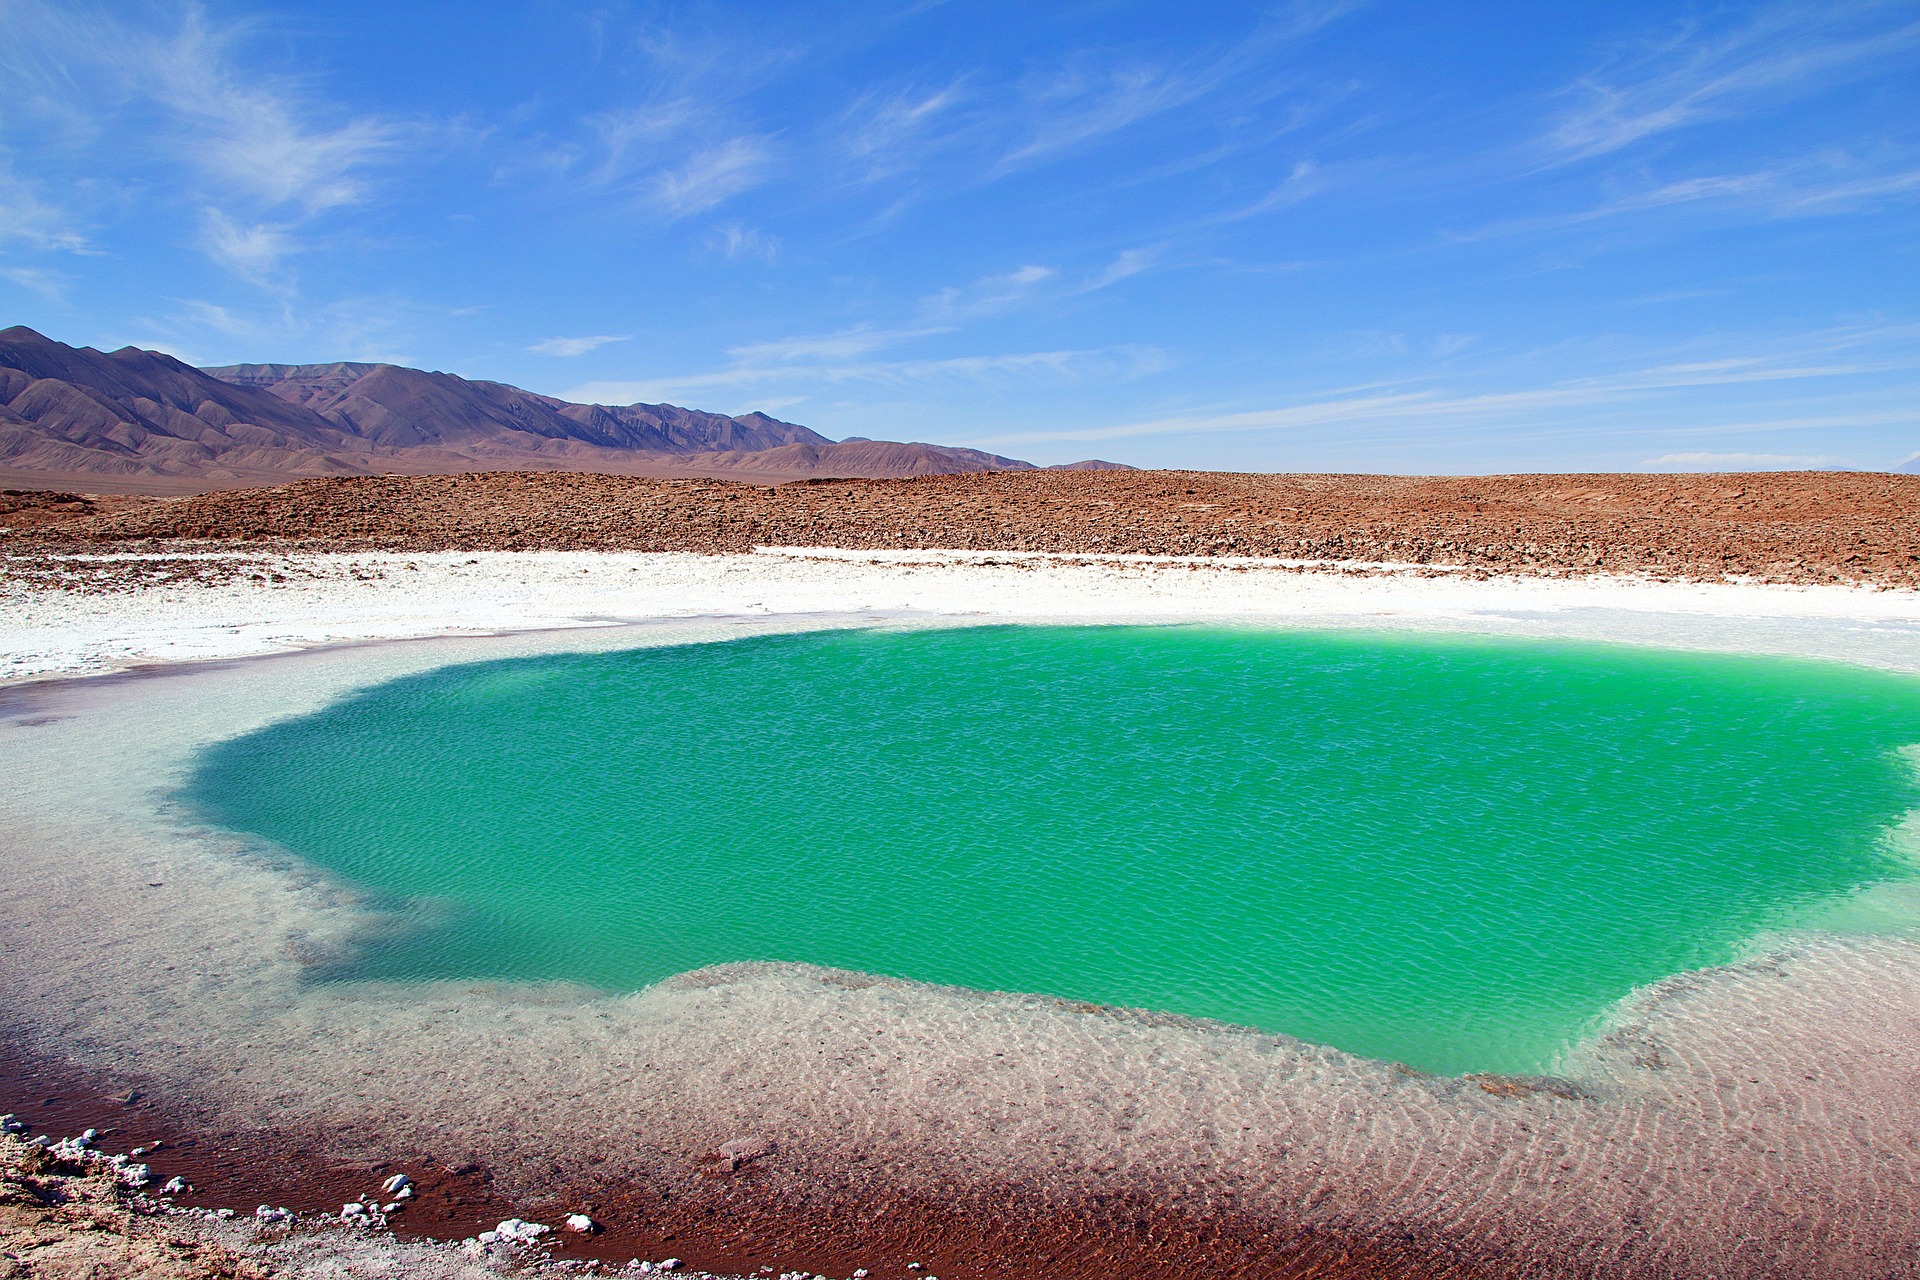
{"x": 718, "y": 1218}
{"x": 1783, "y": 527}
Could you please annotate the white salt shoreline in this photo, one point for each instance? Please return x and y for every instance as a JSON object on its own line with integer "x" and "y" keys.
{"x": 328, "y": 599}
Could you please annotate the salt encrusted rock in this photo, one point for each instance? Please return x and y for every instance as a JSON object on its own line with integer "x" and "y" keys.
{"x": 136, "y": 1175}
{"x": 581, "y": 1223}
{"x": 397, "y": 1182}
{"x": 176, "y": 1187}
{"x": 514, "y": 1231}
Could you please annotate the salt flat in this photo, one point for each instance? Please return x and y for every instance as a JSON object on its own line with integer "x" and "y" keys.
{"x": 83, "y": 612}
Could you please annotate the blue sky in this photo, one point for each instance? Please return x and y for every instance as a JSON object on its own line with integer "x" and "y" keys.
{"x": 1336, "y": 236}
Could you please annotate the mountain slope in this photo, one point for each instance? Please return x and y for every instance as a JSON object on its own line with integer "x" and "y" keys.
{"x": 400, "y": 407}
{"x": 133, "y": 412}
{"x": 141, "y": 416}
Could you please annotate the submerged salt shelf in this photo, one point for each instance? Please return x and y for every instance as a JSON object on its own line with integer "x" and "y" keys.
{"x": 1758, "y": 1114}
{"x": 1456, "y": 854}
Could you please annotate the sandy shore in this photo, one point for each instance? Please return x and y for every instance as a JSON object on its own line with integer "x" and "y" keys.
{"x": 1754, "y": 1120}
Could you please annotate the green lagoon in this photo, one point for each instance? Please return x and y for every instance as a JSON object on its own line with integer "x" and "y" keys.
{"x": 1455, "y": 853}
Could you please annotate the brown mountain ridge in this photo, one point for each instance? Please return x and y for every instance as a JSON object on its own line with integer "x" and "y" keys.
{"x": 142, "y": 420}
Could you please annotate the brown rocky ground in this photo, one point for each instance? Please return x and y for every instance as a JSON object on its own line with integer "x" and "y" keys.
{"x": 59, "y": 1221}
{"x": 1780, "y": 527}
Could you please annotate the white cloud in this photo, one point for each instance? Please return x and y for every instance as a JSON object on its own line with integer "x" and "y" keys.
{"x": 712, "y": 176}
{"x": 1304, "y": 180}
{"x": 254, "y": 252}
{"x": 27, "y": 218}
{"x": 736, "y": 241}
{"x": 49, "y": 284}
{"x": 844, "y": 345}
{"x": 888, "y": 133}
{"x": 989, "y": 295}
{"x": 1071, "y": 365}
{"x": 1383, "y": 405}
{"x": 1696, "y": 461}
{"x": 631, "y": 137}
{"x": 1072, "y": 108}
{"x": 170, "y": 85}
{"x": 1129, "y": 262}
{"x": 1783, "y": 51}
{"x": 567, "y": 347}
{"x": 258, "y": 134}
{"x": 1821, "y": 186}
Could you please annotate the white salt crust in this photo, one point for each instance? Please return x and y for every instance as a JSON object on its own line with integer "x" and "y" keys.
{"x": 1754, "y": 1120}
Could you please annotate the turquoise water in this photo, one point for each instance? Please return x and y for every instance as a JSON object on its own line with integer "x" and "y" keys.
{"x": 1453, "y": 853}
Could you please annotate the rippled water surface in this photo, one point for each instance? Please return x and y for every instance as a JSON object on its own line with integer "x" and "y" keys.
{"x": 1454, "y": 853}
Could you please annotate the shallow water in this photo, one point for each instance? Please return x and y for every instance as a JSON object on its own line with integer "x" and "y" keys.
{"x": 1453, "y": 853}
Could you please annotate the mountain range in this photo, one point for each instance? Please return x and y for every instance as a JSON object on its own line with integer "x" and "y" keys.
{"x": 148, "y": 422}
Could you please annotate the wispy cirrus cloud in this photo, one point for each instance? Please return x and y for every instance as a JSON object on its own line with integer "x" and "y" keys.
{"x": 712, "y": 175}
{"x": 1126, "y": 264}
{"x": 796, "y": 377}
{"x": 143, "y": 88}
{"x": 1692, "y": 76}
{"x": 1702, "y": 460}
{"x": 254, "y": 251}
{"x": 567, "y": 348}
{"x": 1804, "y": 358}
{"x": 27, "y": 218}
{"x": 1826, "y": 185}
{"x": 48, "y": 283}
{"x": 682, "y": 143}
{"x": 1095, "y": 98}
{"x": 736, "y": 241}
{"x": 989, "y": 295}
{"x": 887, "y": 132}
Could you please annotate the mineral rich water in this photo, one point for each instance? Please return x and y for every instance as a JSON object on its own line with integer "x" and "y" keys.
{"x": 1455, "y": 853}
